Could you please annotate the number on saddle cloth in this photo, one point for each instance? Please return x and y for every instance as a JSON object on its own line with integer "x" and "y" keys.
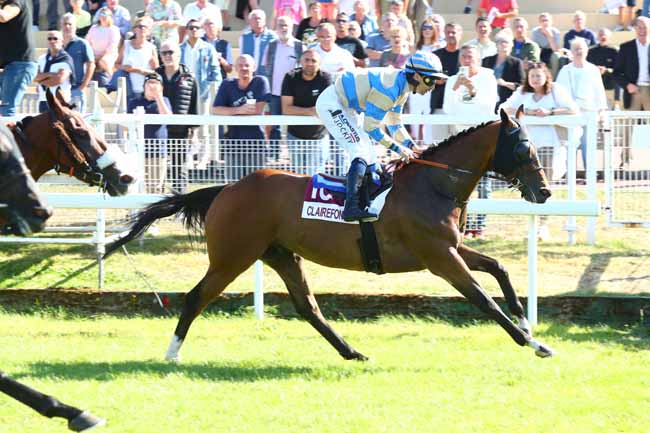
{"x": 377, "y": 180}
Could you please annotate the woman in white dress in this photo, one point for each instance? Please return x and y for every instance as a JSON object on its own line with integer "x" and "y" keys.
{"x": 541, "y": 97}
{"x": 583, "y": 81}
{"x": 138, "y": 57}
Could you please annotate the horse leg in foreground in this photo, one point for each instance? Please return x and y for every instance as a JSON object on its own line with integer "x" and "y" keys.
{"x": 78, "y": 420}
{"x": 456, "y": 272}
{"x": 480, "y": 262}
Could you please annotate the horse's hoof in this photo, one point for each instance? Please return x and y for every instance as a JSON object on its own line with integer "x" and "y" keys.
{"x": 541, "y": 350}
{"x": 85, "y": 421}
{"x": 356, "y": 356}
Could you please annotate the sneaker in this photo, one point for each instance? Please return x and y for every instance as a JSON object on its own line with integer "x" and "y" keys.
{"x": 543, "y": 233}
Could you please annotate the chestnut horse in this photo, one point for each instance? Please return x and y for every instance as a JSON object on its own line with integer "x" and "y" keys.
{"x": 23, "y": 209}
{"x": 259, "y": 217}
{"x": 60, "y": 139}
{"x": 23, "y": 212}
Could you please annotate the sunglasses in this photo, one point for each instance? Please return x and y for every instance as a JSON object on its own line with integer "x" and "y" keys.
{"x": 141, "y": 26}
{"x": 341, "y": 21}
{"x": 192, "y": 28}
{"x": 167, "y": 53}
{"x": 427, "y": 27}
{"x": 52, "y": 38}
{"x": 428, "y": 81}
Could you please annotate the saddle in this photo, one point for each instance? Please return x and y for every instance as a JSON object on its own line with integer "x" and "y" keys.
{"x": 374, "y": 184}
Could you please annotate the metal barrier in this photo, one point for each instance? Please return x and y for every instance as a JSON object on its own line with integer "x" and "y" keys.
{"x": 627, "y": 168}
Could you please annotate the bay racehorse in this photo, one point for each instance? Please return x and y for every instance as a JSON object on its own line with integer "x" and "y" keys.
{"x": 60, "y": 139}
{"x": 23, "y": 212}
{"x": 259, "y": 217}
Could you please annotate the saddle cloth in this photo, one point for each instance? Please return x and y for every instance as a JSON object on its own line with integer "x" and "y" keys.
{"x": 325, "y": 198}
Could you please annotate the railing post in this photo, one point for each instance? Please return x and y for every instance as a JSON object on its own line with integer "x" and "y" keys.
{"x": 258, "y": 296}
{"x": 591, "y": 171}
{"x": 532, "y": 270}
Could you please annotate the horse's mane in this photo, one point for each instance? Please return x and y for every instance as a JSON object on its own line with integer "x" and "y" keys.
{"x": 431, "y": 150}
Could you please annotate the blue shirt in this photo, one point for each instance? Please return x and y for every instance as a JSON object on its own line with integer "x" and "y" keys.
{"x": 230, "y": 95}
{"x": 81, "y": 52}
{"x": 224, "y": 48}
{"x": 377, "y": 42}
{"x": 158, "y": 132}
{"x": 584, "y": 34}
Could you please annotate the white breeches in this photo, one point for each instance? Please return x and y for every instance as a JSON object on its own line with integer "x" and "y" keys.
{"x": 345, "y": 126}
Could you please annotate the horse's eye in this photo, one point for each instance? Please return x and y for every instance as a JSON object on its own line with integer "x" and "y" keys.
{"x": 522, "y": 150}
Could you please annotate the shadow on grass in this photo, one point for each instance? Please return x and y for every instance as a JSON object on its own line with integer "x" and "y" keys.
{"x": 107, "y": 371}
{"x": 629, "y": 337}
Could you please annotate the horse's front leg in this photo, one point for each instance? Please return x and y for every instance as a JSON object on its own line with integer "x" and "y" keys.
{"x": 449, "y": 265}
{"x": 480, "y": 262}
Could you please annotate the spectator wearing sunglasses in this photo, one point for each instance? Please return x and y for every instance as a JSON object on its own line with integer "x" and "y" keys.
{"x": 201, "y": 59}
{"x": 349, "y": 43}
{"x": 355, "y": 31}
{"x": 104, "y": 38}
{"x": 138, "y": 58}
{"x": 55, "y": 68}
{"x": 201, "y": 10}
{"x": 83, "y": 60}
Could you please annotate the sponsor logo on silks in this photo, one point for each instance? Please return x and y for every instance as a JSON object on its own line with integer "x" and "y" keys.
{"x": 349, "y": 133}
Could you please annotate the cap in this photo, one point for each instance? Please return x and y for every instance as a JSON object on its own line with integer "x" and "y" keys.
{"x": 153, "y": 76}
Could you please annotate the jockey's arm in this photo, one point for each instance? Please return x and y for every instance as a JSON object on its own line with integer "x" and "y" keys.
{"x": 378, "y": 107}
{"x": 396, "y": 128}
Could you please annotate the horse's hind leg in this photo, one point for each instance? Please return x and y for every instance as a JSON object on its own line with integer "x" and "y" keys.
{"x": 211, "y": 285}
{"x": 480, "y": 262}
{"x": 289, "y": 266}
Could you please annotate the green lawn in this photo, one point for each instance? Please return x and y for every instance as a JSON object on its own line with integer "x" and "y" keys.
{"x": 240, "y": 375}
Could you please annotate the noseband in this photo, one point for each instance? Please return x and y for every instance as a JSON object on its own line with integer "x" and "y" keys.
{"x": 88, "y": 170}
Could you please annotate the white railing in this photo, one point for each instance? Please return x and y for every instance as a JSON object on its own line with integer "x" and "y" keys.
{"x": 134, "y": 123}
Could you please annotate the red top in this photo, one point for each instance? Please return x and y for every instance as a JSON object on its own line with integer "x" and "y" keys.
{"x": 502, "y": 6}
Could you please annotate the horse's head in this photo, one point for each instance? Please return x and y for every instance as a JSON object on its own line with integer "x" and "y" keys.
{"x": 516, "y": 159}
{"x": 23, "y": 210}
{"x": 86, "y": 154}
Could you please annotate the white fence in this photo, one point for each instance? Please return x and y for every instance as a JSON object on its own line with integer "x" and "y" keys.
{"x": 134, "y": 127}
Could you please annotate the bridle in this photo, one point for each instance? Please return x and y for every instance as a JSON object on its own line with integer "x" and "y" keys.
{"x": 86, "y": 170}
{"x": 519, "y": 158}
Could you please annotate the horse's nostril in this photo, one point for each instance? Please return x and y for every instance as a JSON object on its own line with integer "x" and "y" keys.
{"x": 545, "y": 192}
{"x": 127, "y": 179}
{"x": 43, "y": 212}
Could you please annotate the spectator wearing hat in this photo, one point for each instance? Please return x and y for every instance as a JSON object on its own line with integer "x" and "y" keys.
{"x": 16, "y": 54}
{"x": 180, "y": 86}
{"x": 104, "y": 38}
{"x": 201, "y": 59}
{"x": 55, "y": 69}
{"x": 367, "y": 23}
{"x": 308, "y": 144}
{"x": 153, "y": 101}
{"x": 380, "y": 42}
{"x": 349, "y": 43}
{"x": 121, "y": 16}
{"x": 83, "y": 60}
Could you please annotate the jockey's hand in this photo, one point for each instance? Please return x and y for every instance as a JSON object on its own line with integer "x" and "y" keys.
{"x": 406, "y": 154}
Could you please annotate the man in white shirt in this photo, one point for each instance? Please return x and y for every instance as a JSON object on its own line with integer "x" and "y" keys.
{"x": 473, "y": 90}
{"x": 54, "y": 69}
{"x": 334, "y": 59}
{"x": 200, "y": 10}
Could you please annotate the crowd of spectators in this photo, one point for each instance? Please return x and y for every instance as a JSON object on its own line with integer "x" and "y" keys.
{"x": 174, "y": 58}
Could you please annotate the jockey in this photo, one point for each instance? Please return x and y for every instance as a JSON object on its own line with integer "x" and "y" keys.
{"x": 379, "y": 95}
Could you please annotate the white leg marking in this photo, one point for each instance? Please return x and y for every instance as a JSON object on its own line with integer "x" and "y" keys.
{"x": 525, "y": 326}
{"x": 541, "y": 350}
{"x": 172, "y": 351}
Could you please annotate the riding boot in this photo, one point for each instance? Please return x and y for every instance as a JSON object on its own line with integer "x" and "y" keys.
{"x": 352, "y": 210}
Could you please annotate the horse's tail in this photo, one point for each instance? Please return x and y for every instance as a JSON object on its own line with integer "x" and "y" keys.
{"x": 192, "y": 207}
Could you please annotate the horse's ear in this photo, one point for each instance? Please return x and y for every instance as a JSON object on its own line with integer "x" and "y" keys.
{"x": 53, "y": 103}
{"x": 504, "y": 116}
{"x": 62, "y": 100}
{"x": 520, "y": 112}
